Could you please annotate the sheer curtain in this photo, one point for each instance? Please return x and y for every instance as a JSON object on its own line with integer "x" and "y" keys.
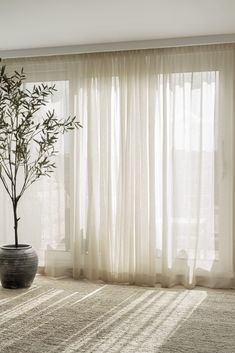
{"x": 146, "y": 187}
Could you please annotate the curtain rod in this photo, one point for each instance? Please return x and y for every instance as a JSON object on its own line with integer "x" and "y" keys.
{"x": 119, "y": 46}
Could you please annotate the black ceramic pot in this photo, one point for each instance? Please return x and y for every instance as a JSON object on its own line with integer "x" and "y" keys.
{"x": 18, "y": 266}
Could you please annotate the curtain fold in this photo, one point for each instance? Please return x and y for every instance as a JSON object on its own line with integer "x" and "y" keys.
{"x": 146, "y": 187}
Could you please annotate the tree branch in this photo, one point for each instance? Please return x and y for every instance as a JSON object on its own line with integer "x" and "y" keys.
{"x": 5, "y": 185}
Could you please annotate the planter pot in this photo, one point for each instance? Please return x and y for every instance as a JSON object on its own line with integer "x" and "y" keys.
{"x": 18, "y": 266}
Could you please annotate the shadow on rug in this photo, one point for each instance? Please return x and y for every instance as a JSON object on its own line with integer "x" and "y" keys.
{"x": 65, "y": 316}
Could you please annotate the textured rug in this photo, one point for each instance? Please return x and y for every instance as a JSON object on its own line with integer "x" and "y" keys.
{"x": 79, "y": 316}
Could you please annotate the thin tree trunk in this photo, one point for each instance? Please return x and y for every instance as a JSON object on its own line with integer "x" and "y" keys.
{"x": 14, "y": 203}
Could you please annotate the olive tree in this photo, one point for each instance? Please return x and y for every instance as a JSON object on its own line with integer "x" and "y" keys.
{"x": 27, "y": 138}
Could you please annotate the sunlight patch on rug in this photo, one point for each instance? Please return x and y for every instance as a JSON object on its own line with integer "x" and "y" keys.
{"x": 69, "y": 316}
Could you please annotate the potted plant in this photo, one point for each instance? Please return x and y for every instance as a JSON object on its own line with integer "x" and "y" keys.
{"x": 27, "y": 151}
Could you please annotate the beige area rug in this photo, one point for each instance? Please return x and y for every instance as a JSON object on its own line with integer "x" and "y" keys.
{"x": 78, "y": 316}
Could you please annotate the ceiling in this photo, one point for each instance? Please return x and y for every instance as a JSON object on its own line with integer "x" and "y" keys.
{"x": 28, "y": 24}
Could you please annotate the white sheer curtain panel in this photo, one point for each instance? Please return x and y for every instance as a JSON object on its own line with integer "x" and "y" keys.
{"x": 144, "y": 192}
